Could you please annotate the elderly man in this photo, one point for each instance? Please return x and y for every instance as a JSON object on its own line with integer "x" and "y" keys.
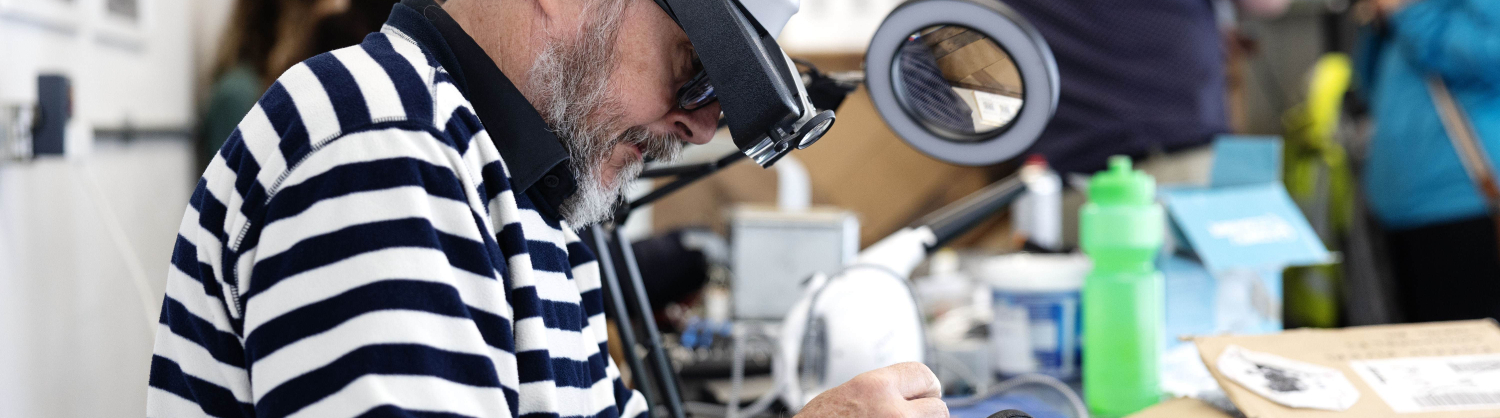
{"x": 389, "y": 231}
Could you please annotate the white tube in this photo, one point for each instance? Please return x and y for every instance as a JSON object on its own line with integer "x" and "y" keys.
{"x": 793, "y": 185}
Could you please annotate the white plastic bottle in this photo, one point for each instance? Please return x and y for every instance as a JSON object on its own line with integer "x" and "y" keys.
{"x": 1038, "y": 212}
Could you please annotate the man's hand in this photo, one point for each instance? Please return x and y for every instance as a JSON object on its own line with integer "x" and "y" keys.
{"x": 906, "y": 390}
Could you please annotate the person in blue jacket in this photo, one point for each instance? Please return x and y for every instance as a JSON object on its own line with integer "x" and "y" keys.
{"x": 1442, "y": 240}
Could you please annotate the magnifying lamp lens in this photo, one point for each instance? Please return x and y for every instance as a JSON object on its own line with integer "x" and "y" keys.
{"x": 958, "y": 82}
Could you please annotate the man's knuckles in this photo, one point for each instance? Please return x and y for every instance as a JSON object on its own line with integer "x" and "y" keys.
{"x": 871, "y": 384}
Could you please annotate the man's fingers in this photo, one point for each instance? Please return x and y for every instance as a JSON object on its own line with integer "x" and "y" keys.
{"x": 904, "y": 390}
{"x": 927, "y": 408}
{"x": 914, "y": 381}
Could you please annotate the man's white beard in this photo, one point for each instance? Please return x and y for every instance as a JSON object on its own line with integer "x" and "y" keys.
{"x": 570, "y": 85}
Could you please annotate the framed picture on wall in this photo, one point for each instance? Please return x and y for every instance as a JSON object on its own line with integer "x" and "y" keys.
{"x": 122, "y": 24}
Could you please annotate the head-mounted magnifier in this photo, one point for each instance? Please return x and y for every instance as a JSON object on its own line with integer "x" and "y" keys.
{"x": 765, "y": 104}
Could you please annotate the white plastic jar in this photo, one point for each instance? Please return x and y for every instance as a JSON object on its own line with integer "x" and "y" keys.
{"x": 1035, "y": 299}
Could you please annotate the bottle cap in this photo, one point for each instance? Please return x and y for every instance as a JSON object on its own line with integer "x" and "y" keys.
{"x": 1121, "y": 185}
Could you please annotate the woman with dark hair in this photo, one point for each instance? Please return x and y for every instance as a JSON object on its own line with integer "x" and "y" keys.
{"x": 239, "y": 72}
{"x": 266, "y": 37}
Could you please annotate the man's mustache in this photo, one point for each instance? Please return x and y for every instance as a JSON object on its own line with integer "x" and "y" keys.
{"x": 654, "y": 147}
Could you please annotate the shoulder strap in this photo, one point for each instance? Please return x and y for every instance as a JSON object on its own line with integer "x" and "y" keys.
{"x": 1466, "y": 141}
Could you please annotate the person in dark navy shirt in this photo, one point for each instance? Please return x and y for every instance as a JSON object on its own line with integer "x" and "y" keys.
{"x": 1138, "y": 76}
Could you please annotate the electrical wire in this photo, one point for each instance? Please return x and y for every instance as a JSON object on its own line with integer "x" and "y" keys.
{"x": 736, "y": 370}
{"x": 737, "y": 379}
{"x": 112, "y": 227}
{"x": 764, "y": 403}
{"x": 760, "y": 406}
{"x": 947, "y": 361}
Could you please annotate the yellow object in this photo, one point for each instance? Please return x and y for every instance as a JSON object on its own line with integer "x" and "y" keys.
{"x": 1317, "y": 175}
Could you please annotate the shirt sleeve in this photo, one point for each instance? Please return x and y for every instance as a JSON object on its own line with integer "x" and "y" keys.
{"x": 1459, "y": 39}
{"x": 634, "y": 405}
{"x": 198, "y": 364}
{"x": 371, "y": 293}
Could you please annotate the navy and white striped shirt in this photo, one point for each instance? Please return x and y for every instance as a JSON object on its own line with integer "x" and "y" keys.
{"x": 359, "y": 247}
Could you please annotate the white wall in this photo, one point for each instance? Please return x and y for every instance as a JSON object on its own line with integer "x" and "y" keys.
{"x": 834, "y": 26}
{"x": 84, "y": 249}
{"x": 85, "y": 240}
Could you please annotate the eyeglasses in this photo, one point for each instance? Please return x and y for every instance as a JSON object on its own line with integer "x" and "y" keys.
{"x": 697, "y": 92}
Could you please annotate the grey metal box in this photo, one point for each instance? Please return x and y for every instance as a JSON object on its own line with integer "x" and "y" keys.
{"x": 774, "y": 251}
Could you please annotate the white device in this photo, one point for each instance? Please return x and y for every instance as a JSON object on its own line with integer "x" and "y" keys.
{"x": 860, "y": 319}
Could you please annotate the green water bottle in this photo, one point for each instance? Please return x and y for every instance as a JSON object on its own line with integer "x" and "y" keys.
{"x": 1121, "y": 229}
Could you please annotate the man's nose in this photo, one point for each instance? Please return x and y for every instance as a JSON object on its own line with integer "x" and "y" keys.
{"x": 695, "y": 126}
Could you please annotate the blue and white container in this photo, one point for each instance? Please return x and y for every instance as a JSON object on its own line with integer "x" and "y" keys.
{"x": 1035, "y": 328}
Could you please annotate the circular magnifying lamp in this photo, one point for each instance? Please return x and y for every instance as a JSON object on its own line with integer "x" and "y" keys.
{"x": 967, "y": 82}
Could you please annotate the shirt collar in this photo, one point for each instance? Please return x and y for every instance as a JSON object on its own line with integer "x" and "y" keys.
{"x": 535, "y": 157}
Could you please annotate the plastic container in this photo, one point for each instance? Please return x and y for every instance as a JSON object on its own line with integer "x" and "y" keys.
{"x": 945, "y": 287}
{"x": 1121, "y": 229}
{"x": 1035, "y": 300}
{"x": 1037, "y": 214}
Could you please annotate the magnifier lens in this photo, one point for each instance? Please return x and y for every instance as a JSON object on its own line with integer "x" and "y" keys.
{"x": 815, "y": 134}
{"x": 815, "y": 129}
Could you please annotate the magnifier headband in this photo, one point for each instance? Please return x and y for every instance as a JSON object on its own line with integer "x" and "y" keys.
{"x": 765, "y": 105}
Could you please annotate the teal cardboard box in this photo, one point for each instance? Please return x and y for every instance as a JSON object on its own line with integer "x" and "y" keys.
{"x": 1230, "y": 241}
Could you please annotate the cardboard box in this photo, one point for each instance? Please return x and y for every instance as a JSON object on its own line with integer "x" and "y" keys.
{"x": 1230, "y": 241}
{"x": 1345, "y": 349}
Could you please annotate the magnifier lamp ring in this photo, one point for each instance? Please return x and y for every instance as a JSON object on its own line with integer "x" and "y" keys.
{"x": 922, "y": 79}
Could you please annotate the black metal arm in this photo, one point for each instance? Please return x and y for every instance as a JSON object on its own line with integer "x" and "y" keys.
{"x": 611, "y": 281}
{"x": 961, "y": 216}
{"x": 630, "y": 300}
{"x": 685, "y": 175}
